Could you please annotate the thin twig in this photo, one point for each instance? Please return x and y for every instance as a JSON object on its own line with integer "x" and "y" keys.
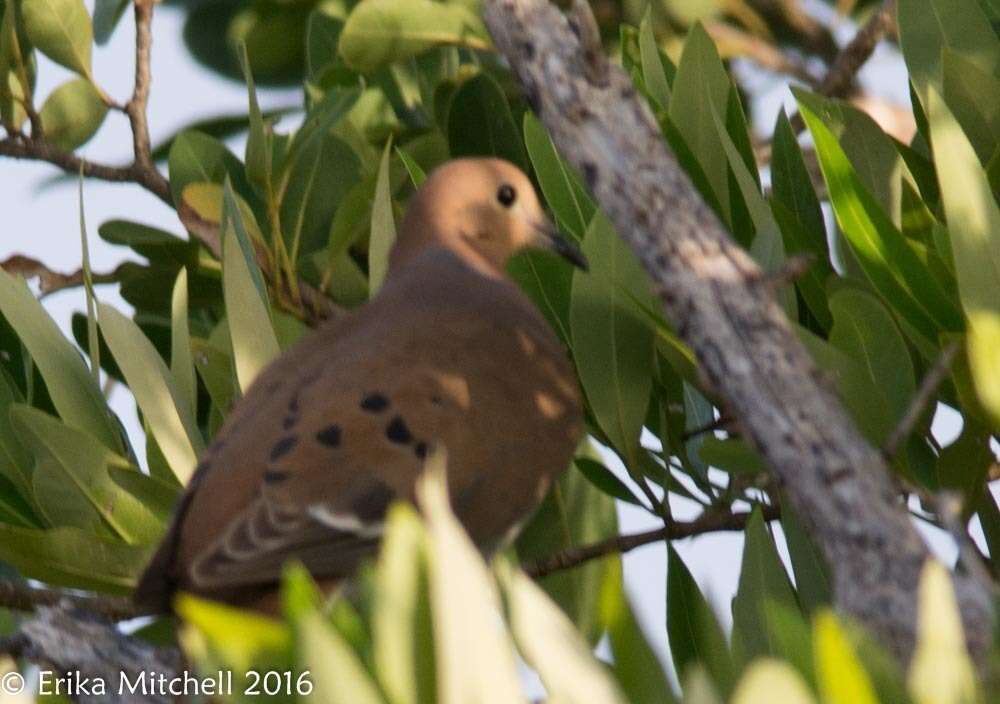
{"x": 709, "y": 522}
{"x": 21, "y": 597}
{"x": 51, "y": 281}
{"x": 40, "y": 150}
{"x": 840, "y": 77}
{"x": 136, "y": 106}
{"x": 920, "y": 401}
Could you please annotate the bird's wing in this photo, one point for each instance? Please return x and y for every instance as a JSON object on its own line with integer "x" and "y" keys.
{"x": 330, "y": 535}
{"x": 335, "y": 451}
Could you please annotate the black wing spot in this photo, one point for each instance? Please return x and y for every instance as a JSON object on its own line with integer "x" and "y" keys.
{"x": 329, "y": 436}
{"x": 273, "y": 476}
{"x": 372, "y": 504}
{"x": 420, "y": 450}
{"x": 289, "y": 422}
{"x": 374, "y": 402}
{"x": 283, "y": 446}
{"x": 397, "y": 431}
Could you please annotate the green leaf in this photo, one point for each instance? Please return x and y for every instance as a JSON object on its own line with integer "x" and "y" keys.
{"x": 732, "y": 455}
{"x": 321, "y": 174}
{"x": 812, "y": 575}
{"x": 553, "y": 647}
{"x": 378, "y": 32}
{"x": 871, "y": 152}
{"x": 983, "y": 343}
{"x": 401, "y": 617}
{"x": 653, "y": 73}
{"x": 93, "y": 339}
{"x": 767, "y": 247}
{"x": 196, "y": 158}
{"x": 564, "y": 194}
{"x": 170, "y": 418}
{"x": 61, "y": 30}
{"x": 338, "y": 676}
{"x": 974, "y": 229}
{"x": 251, "y": 330}
{"x": 322, "y": 36}
{"x": 258, "y": 151}
{"x": 612, "y": 344}
{"x": 181, "y": 362}
{"x": 480, "y": 122}
{"x": 974, "y": 96}
{"x": 72, "y": 113}
{"x": 700, "y": 85}
{"x": 474, "y": 657}
{"x": 927, "y": 27}
{"x": 769, "y": 680}
{"x": 72, "y": 558}
{"x": 572, "y": 515}
{"x": 237, "y": 638}
{"x": 383, "y": 232}
{"x": 865, "y": 331}
{"x": 887, "y": 258}
{"x": 635, "y": 665}
{"x": 107, "y": 13}
{"x": 74, "y": 394}
{"x": 694, "y": 633}
{"x": 417, "y": 175}
{"x": 71, "y": 482}
{"x": 602, "y": 478}
{"x": 157, "y": 496}
{"x": 15, "y": 460}
{"x": 762, "y": 579}
{"x": 800, "y": 217}
{"x": 841, "y": 675}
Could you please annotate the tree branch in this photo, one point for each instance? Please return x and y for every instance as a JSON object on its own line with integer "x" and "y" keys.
{"x": 724, "y": 309}
{"x": 51, "y": 281}
{"x": 136, "y": 106}
{"x": 708, "y": 522}
{"x": 840, "y": 77}
{"x": 19, "y": 596}
{"x": 40, "y": 150}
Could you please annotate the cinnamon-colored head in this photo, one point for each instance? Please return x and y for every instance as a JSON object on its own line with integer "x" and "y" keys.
{"x": 485, "y": 210}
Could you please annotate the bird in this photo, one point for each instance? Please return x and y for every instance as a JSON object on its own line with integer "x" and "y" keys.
{"x": 449, "y": 353}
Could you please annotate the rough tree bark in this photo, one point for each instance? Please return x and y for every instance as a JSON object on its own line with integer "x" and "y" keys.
{"x": 723, "y": 307}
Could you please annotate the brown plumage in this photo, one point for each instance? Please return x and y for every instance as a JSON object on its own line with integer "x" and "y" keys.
{"x": 450, "y": 352}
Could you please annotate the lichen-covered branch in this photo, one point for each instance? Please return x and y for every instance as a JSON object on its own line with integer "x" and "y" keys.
{"x": 723, "y": 307}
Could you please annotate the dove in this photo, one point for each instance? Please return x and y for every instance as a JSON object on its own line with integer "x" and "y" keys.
{"x": 448, "y": 354}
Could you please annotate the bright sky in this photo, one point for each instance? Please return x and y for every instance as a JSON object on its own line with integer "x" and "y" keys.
{"x": 39, "y": 219}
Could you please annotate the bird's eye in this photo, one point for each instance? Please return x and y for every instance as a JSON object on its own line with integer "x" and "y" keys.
{"x": 506, "y": 195}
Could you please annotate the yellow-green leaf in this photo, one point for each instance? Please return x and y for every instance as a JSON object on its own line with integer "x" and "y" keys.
{"x": 940, "y": 672}
{"x": 768, "y": 681}
{"x": 72, "y": 113}
{"x": 378, "y": 32}
{"x": 337, "y": 675}
{"x": 152, "y": 384}
{"x": 383, "y": 233}
{"x": 61, "y": 30}
{"x": 841, "y": 678}
{"x": 74, "y": 394}
{"x": 250, "y": 327}
{"x": 181, "y": 361}
{"x": 475, "y": 660}
{"x": 551, "y": 644}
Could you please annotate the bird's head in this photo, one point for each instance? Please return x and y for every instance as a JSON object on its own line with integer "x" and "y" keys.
{"x": 486, "y": 208}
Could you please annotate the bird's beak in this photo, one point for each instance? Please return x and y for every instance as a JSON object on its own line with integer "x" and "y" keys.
{"x": 549, "y": 237}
